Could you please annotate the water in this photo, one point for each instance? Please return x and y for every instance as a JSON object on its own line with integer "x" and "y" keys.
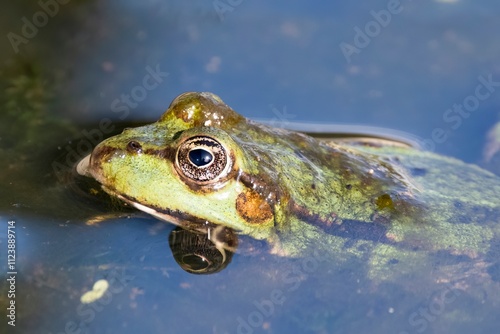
{"x": 94, "y": 67}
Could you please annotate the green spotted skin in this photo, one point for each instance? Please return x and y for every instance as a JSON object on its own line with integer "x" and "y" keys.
{"x": 394, "y": 208}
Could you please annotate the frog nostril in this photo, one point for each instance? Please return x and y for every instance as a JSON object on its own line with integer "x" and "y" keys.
{"x": 134, "y": 147}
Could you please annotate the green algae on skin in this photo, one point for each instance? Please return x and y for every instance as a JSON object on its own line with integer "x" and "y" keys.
{"x": 395, "y": 208}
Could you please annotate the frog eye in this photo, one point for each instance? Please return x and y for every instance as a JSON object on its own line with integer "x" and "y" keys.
{"x": 202, "y": 159}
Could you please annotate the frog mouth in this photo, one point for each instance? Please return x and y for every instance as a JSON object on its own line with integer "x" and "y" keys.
{"x": 83, "y": 165}
{"x": 86, "y": 168}
{"x": 185, "y": 221}
{"x": 175, "y": 217}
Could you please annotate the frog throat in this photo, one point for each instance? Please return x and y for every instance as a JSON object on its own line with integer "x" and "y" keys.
{"x": 176, "y": 217}
{"x": 255, "y": 205}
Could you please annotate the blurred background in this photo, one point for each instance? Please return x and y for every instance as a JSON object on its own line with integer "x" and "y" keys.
{"x": 67, "y": 67}
{"x": 310, "y": 60}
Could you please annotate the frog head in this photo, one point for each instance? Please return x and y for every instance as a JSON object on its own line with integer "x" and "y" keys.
{"x": 187, "y": 168}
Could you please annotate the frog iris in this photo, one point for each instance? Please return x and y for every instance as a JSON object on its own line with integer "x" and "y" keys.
{"x": 202, "y": 159}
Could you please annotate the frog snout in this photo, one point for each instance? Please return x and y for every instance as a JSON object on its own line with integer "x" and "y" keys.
{"x": 83, "y": 166}
{"x": 91, "y": 165}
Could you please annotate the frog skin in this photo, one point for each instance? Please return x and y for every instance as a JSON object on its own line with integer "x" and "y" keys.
{"x": 203, "y": 165}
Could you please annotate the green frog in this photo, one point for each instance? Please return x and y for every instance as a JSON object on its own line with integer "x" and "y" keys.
{"x": 396, "y": 208}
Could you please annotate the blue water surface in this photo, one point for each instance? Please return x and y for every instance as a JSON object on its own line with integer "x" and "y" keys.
{"x": 430, "y": 68}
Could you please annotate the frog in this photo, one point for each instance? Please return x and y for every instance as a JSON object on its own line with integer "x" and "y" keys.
{"x": 388, "y": 205}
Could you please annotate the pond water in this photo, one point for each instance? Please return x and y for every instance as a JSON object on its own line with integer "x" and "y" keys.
{"x": 75, "y": 72}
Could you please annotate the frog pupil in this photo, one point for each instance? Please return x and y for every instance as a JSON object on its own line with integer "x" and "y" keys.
{"x": 200, "y": 157}
{"x": 195, "y": 261}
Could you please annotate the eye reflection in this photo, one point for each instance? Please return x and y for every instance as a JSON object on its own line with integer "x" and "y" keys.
{"x": 195, "y": 262}
{"x": 200, "y": 157}
{"x": 195, "y": 253}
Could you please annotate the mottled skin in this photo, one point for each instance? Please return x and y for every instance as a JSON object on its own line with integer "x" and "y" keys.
{"x": 394, "y": 206}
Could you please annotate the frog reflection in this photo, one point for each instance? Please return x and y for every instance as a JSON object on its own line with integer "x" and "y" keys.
{"x": 203, "y": 253}
{"x": 203, "y": 164}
